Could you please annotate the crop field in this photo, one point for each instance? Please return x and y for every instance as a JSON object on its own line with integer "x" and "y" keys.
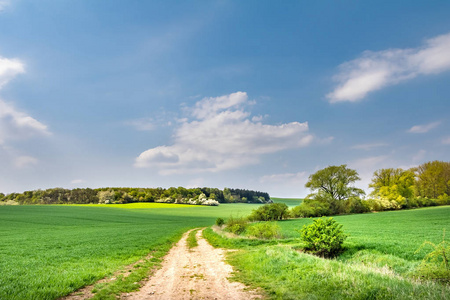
{"x": 291, "y": 202}
{"x": 48, "y": 251}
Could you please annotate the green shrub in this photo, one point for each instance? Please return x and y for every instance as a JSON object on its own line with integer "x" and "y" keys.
{"x": 220, "y": 222}
{"x": 311, "y": 208}
{"x": 264, "y": 230}
{"x": 356, "y": 206}
{"x": 324, "y": 237}
{"x": 236, "y": 225}
{"x": 436, "y": 264}
{"x": 270, "y": 212}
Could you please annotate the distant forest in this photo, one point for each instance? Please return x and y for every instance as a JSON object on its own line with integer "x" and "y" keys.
{"x": 180, "y": 195}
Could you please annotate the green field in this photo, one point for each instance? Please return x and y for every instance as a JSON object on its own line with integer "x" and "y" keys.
{"x": 291, "y": 202}
{"x": 379, "y": 261}
{"x": 49, "y": 251}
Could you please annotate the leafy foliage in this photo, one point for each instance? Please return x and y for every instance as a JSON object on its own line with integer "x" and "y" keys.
{"x": 236, "y": 225}
{"x": 180, "y": 195}
{"x": 220, "y": 222}
{"x": 393, "y": 184}
{"x": 324, "y": 237}
{"x": 433, "y": 179}
{"x": 270, "y": 212}
{"x": 264, "y": 230}
{"x": 334, "y": 182}
{"x": 435, "y": 264}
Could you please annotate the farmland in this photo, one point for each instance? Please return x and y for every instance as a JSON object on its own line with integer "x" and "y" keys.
{"x": 48, "y": 251}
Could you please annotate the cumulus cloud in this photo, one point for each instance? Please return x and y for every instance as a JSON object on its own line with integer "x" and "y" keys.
{"x": 16, "y": 125}
{"x": 423, "y": 128}
{"x": 376, "y": 70}
{"x": 221, "y": 135}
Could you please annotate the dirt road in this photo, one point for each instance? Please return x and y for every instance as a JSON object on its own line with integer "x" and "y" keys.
{"x": 198, "y": 273}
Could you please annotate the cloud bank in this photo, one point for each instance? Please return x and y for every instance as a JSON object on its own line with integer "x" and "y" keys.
{"x": 376, "y": 70}
{"x": 221, "y": 135}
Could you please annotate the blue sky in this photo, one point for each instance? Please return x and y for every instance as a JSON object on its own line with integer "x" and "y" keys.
{"x": 241, "y": 94}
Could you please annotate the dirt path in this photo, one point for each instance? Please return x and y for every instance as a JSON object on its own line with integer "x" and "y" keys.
{"x": 198, "y": 273}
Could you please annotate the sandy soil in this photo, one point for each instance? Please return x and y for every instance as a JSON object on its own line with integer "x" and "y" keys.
{"x": 198, "y": 273}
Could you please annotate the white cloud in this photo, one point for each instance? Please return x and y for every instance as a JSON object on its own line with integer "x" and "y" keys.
{"x": 446, "y": 140}
{"x": 25, "y": 161}
{"x": 15, "y": 124}
{"x": 423, "y": 128}
{"x": 9, "y": 68}
{"x": 368, "y": 147}
{"x": 220, "y": 135}
{"x": 375, "y": 70}
{"x": 18, "y": 125}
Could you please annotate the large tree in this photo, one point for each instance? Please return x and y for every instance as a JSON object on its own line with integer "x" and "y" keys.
{"x": 334, "y": 183}
{"x": 393, "y": 184}
{"x": 433, "y": 179}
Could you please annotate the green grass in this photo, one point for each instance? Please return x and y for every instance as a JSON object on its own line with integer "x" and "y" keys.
{"x": 192, "y": 239}
{"x": 291, "y": 202}
{"x": 379, "y": 262}
{"x": 48, "y": 251}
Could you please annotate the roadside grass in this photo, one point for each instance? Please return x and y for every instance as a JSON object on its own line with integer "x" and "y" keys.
{"x": 49, "y": 251}
{"x": 379, "y": 261}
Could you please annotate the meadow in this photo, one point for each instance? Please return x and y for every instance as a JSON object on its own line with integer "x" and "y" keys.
{"x": 48, "y": 251}
{"x": 379, "y": 262}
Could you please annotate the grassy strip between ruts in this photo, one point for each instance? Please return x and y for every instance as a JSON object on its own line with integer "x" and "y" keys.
{"x": 192, "y": 239}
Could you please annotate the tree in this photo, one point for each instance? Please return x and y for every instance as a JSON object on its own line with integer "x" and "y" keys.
{"x": 393, "y": 184}
{"x": 433, "y": 179}
{"x": 334, "y": 183}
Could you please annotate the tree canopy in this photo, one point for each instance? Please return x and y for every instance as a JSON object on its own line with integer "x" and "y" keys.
{"x": 334, "y": 182}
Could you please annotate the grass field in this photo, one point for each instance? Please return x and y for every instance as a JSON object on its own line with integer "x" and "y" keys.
{"x": 379, "y": 262}
{"x": 291, "y": 202}
{"x": 49, "y": 251}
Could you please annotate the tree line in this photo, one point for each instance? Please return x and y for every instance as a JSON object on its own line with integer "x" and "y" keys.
{"x": 333, "y": 191}
{"x": 115, "y": 195}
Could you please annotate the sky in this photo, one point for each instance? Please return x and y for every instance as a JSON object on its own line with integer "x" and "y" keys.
{"x": 241, "y": 94}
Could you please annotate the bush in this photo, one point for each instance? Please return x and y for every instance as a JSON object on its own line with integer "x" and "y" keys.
{"x": 324, "y": 237}
{"x": 270, "y": 212}
{"x": 311, "y": 208}
{"x": 236, "y": 225}
{"x": 220, "y": 222}
{"x": 264, "y": 230}
{"x": 435, "y": 265}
